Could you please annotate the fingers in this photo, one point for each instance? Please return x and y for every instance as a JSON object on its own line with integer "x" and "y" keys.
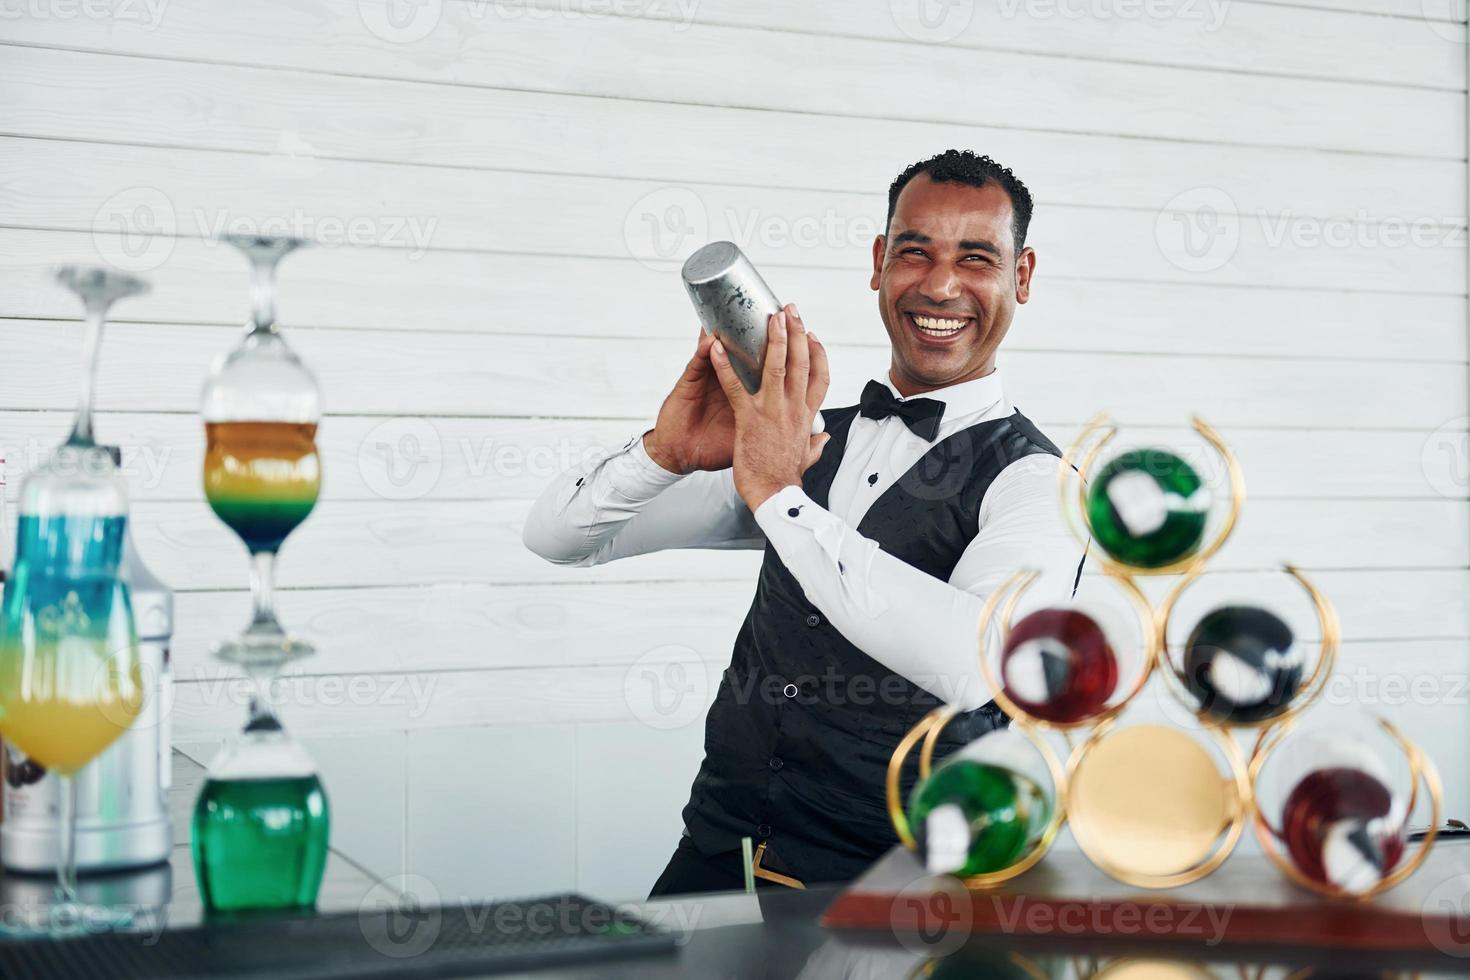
{"x": 821, "y": 374}
{"x": 798, "y": 361}
{"x": 773, "y": 375}
{"x": 814, "y": 450}
{"x": 729, "y": 380}
{"x": 699, "y": 365}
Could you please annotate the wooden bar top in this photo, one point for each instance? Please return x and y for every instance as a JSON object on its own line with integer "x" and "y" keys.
{"x": 1246, "y": 901}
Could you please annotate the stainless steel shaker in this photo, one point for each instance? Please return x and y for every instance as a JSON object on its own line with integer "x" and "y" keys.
{"x": 733, "y": 303}
{"x": 122, "y": 810}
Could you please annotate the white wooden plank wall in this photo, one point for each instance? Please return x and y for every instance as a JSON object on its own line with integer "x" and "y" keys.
{"x": 1251, "y": 210}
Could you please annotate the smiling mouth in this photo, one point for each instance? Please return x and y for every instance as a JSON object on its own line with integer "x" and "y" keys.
{"x": 936, "y": 327}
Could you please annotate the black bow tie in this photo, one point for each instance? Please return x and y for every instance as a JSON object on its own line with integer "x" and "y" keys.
{"x": 921, "y": 415}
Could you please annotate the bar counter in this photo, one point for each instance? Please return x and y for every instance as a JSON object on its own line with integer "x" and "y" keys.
{"x": 776, "y": 933}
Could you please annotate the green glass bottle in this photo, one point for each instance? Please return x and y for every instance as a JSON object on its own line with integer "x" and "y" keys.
{"x": 971, "y": 817}
{"x": 1147, "y": 508}
{"x": 261, "y": 827}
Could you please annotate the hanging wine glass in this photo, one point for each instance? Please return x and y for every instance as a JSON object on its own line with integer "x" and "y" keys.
{"x": 261, "y": 822}
{"x": 70, "y": 677}
{"x": 261, "y": 471}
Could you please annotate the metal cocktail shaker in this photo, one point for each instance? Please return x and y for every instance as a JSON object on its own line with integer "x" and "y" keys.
{"x": 122, "y": 810}
{"x": 733, "y": 303}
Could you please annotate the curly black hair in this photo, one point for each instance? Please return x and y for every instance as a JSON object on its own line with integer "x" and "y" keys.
{"x": 966, "y": 167}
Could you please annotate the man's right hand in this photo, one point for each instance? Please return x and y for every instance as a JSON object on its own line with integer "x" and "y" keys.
{"x": 695, "y": 429}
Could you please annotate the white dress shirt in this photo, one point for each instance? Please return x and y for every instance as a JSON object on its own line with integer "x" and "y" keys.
{"x": 911, "y": 622}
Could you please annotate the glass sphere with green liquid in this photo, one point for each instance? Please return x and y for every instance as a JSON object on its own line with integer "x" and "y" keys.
{"x": 261, "y": 824}
{"x": 975, "y": 814}
{"x": 1147, "y": 508}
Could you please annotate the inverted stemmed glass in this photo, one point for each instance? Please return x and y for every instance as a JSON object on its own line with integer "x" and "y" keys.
{"x": 260, "y": 829}
{"x": 262, "y": 475}
{"x": 70, "y": 681}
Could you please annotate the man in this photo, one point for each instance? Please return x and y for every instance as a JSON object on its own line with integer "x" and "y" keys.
{"x": 882, "y": 535}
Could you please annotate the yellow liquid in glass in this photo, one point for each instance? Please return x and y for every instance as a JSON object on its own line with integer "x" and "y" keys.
{"x": 69, "y": 677}
{"x": 262, "y": 478}
{"x": 66, "y": 735}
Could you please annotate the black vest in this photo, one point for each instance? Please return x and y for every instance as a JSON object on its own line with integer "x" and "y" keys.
{"x": 799, "y": 736}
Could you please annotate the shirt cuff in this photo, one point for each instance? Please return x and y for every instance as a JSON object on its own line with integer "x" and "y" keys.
{"x": 792, "y": 521}
{"x": 634, "y": 474}
{"x": 789, "y": 508}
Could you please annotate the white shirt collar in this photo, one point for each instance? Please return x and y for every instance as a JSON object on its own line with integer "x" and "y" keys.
{"x": 973, "y": 397}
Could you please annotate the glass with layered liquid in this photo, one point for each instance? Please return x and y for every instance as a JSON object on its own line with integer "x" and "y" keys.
{"x": 261, "y": 827}
{"x": 70, "y": 676}
{"x": 262, "y": 473}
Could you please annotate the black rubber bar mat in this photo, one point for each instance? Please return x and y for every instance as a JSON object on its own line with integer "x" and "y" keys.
{"x": 447, "y": 941}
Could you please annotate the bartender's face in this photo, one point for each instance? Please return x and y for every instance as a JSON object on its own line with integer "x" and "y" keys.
{"x": 948, "y": 263}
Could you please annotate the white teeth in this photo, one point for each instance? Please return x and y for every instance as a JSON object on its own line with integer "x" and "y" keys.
{"x": 939, "y": 327}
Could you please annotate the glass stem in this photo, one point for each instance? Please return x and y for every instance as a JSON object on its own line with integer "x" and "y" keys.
{"x": 81, "y": 433}
{"x": 263, "y": 589}
{"x": 263, "y": 292}
{"x": 66, "y": 864}
{"x": 262, "y": 702}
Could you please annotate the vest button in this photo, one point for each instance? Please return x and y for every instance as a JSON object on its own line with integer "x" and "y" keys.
{"x": 764, "y": 830}
{"x": 814, "y": 620}
{"x": 790, "y": 690}
{"x": 776, "y": 762}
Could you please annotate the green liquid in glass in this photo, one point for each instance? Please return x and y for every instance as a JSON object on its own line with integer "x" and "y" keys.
{"x": 260, "y": 843}
{"x": 1174, "y": 505}
{"x": 1005, "y": 810}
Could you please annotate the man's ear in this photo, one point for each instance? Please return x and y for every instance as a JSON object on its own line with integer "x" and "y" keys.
{"x": 1025, "y": 267}
{"x": 880, "y": 245}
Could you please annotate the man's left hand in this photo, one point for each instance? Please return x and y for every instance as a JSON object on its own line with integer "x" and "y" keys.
{"x": 773, "y": 440}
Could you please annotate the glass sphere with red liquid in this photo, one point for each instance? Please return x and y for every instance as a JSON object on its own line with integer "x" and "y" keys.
{"x": 1059, "y": 665}
{"x": 1342, "y": 824}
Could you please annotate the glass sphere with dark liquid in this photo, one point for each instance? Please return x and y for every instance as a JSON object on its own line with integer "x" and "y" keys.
{"x": 1243, "y": 664}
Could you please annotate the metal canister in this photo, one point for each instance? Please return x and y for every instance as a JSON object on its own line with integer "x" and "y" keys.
{"x": 122, "y": 810}
{"x": 734, "y": 303}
